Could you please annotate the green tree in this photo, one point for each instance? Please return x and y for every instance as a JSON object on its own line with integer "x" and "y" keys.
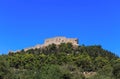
{"x": 100, "y": 62}
{"x": 51, "y": 49}
{"x": 5, "y": 72}
{"x": 116, "y": 69}
{"x": 66, "y": 47}
{"x": 84, "y": 61}
{"x": 50, "y": 72}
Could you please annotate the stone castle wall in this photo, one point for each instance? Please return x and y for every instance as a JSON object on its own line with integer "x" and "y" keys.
{"x": 57, "y": 41}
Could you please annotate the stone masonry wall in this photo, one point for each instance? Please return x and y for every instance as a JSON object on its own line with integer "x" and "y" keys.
{"x": 57, "y": 41}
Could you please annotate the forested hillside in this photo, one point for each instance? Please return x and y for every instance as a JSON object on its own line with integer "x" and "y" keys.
{"x": 61, "y": 62}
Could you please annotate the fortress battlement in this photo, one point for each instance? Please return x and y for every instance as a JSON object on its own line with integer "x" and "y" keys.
{"x": 57, "y": 41}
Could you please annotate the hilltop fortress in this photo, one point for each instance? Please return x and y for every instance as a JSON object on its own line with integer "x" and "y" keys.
{"x": 57, "y": 41}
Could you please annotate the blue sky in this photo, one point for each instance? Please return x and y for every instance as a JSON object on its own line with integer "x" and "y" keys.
{"x": 25, "y": 23}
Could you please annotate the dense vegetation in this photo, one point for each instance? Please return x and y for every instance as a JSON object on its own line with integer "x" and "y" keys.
{"x": 61, "y": 62}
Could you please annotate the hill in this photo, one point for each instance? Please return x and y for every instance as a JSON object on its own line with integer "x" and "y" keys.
{"x": 63, "y": 61}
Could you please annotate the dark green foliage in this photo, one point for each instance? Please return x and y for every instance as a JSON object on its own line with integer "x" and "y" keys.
{"x": 67, "y": 48}
{"x": 116, "y": 69}
{"x": 4, "y": 69}
{"x": 85, "y": 62}
{"x": 61, "y": 62}
{"x": 50, "y": 72}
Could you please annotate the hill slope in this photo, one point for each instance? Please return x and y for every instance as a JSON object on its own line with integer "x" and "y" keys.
{"x": 61, "y": 62}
